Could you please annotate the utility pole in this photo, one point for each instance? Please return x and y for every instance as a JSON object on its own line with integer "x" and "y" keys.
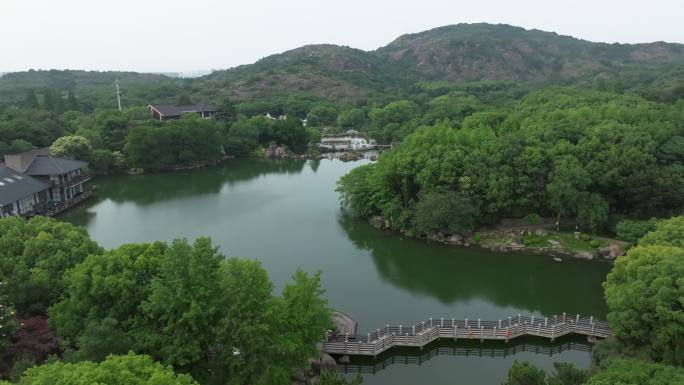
{"x": 118, "y": 93}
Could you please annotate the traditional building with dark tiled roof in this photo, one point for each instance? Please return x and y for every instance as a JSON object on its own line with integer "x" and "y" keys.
{"x": 20, "y": 194}
{"x": 174, "y": 111}
{"x": 37, "y": 181}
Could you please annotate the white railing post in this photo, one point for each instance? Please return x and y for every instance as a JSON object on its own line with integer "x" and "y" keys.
{"x": 532, "y": 320}
{"x": 431, "y": 325}
{"x": 400, "y": 330}
{"x": 577, "y": 319}
{"x": 499, "y": 324}
{"x": 546, "y": 321}
{"x": 478, "y": 322}
{"x": 442, "y": 322}
{"x": 509, "y": 321}
{"x": 519, "y": 318}
{"x": 466, "y": 322}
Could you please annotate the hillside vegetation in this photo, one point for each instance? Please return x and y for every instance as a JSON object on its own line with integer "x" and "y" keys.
{"x": 456, "y": 54}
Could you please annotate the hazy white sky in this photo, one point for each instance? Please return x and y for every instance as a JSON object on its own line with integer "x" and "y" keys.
{"x": 173, "y": 35}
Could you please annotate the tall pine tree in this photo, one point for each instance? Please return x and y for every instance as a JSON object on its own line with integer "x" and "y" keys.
{"x": 31, "y": 100}
{"x": 72, "y": 102}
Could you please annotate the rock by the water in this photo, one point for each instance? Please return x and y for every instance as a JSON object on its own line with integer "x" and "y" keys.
{"x": 345, "y": 359}
{"x": 299, "y": 375}
{"x": 275, "y": 151}
{"x": 556, "y": 259}
{"x": 584, "y": 255}
{"x": 327, "y": 362}
{"x": 379, "y": 222}
{"x": 315, "y": 380}
{"x": 315, "y": 364}
{"x": 610, "y": 252}
{"x": 541, "y": 232}
{"x": 455, "y": 239}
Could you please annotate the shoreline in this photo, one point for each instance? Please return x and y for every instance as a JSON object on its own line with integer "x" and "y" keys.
{"x": 534, "y": 239}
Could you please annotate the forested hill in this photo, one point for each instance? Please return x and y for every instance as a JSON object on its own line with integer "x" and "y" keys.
{"x": 456, "y": 54}
{"x": 470, "y": 52}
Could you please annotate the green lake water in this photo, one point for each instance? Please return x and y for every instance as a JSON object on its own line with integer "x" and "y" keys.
{"x": 287, "y": 215}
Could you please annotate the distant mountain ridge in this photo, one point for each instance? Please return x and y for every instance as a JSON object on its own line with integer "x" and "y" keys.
{"x": 455, "y": 53}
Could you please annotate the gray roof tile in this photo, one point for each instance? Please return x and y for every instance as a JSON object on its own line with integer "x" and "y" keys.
{"x": 50, "y": 165}
{"x": 14, "y": 186}
{"x": 175, "y": 110}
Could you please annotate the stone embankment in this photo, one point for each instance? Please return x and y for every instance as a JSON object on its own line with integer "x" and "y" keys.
{"x": 540, "y": 239}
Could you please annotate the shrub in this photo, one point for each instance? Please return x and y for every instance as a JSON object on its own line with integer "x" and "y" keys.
{"x": 594, "y": 243}
{"x": 585, "y": 237}
{"x": 631, "y": 230}
{"x": 532, "y": 219}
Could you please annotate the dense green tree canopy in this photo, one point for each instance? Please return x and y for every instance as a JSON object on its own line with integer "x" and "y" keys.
{"x": 189, "y": 307}
{"x": 72, "y": 147}
{"x": 7, "y": 318}
{"x": 34, "y": 255}
{"x": 635, "y": 372}
{"x": 644, "y": 292}
{"x": 575, "y": 154}
{"x": 667, "y": 233}
{"x": 128, "y": 369}
{"x": 187, "y": 141}
{"x": 522, "y": 373}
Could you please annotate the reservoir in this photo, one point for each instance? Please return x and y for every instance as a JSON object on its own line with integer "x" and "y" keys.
{"x": 287, "y": 215}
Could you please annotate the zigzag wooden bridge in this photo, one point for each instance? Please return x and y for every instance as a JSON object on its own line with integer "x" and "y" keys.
{"x": 426, "y": 332}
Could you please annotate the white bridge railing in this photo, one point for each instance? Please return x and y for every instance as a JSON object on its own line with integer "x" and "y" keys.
{"x": 372, "y": 344}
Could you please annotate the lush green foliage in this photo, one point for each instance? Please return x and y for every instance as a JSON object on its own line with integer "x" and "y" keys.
{"x": 643, "y": 293}
{"x": 444, "y": 211}
{"x": 635, "y": 372}
{"x": 128, "y": 369}
{"x": 187, "y": 306}
{"x": 632, "y": 230}
{"x": 560, "y": 152}
{"x": 8, "y": 323}
{"x": 247, "y": 134}
{"x": 616, "y": 372}
{"x": 34, "y": 255}
{"x": 187, "y": 141}
{"x": 522, "y": 373}
{"x": 72, "y": 147}
{"x": 667, "y": 233}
